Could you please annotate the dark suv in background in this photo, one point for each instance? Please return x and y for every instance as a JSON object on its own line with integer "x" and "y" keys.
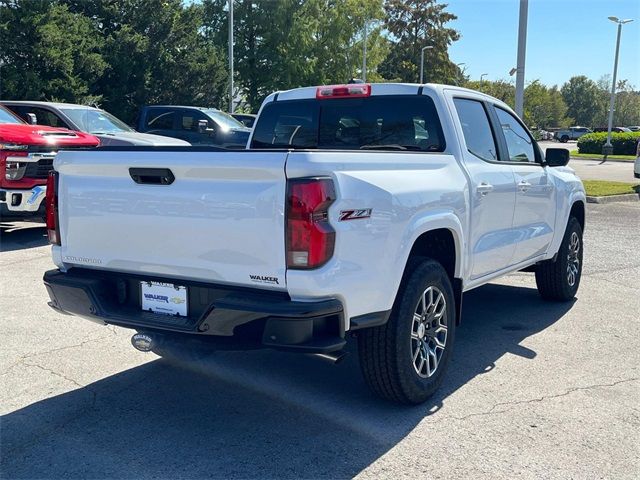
{"x": 196, "y": 125}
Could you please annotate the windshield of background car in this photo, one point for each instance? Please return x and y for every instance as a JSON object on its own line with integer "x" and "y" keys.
{"x": 396, "y": 122}
{"x": 95, "y": 121}
{"x": 6, "y": 117}
{"x": 224, "y": 120}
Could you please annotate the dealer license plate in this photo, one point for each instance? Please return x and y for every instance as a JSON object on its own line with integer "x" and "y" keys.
{"x": 165, "y": 298}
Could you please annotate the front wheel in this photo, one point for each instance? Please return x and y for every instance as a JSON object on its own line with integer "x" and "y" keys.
{"x": 564, "y": 139}
{"x": 405, "y": 360}
{"x": 560, "y": 279}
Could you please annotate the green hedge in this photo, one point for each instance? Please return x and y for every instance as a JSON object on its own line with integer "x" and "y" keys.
{"x": 624, "y": 143}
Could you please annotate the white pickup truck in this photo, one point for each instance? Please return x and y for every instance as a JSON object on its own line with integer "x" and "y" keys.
{"x": 359, "y": 210}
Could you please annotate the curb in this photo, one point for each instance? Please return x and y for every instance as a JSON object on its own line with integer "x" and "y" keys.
{"x": 627, "y": 197}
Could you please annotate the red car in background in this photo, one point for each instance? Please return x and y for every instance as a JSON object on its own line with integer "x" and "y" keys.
{"x": 26, "y": 157}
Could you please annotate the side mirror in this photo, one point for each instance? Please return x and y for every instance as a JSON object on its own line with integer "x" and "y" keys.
{"x": 556, "y": 157}
{"x": 32, "y": 119}
{"x": 202, "y": 126}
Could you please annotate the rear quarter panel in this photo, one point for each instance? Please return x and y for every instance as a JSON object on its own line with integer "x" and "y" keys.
{"x": 408, "y": 194}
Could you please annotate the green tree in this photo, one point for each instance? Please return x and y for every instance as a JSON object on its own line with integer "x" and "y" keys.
{"x": 412, "y": 25}
{"x": 543, "y": 106}
{"x": 627, "y": 105}
{"x": 48, "y": 52}
{"x": 500, "y": 89}
{"x": 292, "y": 43}
{"x": 156, "y": 53}
{"x": 583, "y": 98}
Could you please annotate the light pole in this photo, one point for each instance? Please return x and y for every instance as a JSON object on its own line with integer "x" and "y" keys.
{"x": 422, "y": 61}
{"x": 230, "y": 56}
{"x": 607, "y": 148}
{"x": 482, "y": 76}
{"x": 364, "y": 54}
{"x": 462, "y": 70}
{"x": 522, "y": 49}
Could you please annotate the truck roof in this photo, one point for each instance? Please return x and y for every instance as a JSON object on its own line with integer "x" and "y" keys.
{"x": 181, "y": 106}
{"x": 384, "y": 89}
{"x": 48, "y": 104}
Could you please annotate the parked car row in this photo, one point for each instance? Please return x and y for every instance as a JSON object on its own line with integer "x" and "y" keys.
{"x": 26, "y": 157}
{"x": 32, "y": 132}
{"x": 574, "y": 133}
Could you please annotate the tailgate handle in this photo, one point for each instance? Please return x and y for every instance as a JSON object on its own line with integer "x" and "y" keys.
{"x": 152, "y": 176}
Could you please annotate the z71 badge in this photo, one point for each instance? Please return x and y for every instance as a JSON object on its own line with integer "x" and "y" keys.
{"x": 355, "y": 214}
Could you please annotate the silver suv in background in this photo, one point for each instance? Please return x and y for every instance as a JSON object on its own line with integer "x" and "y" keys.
{"x": 110, "y": 130}
{"x": 571, "y": 133}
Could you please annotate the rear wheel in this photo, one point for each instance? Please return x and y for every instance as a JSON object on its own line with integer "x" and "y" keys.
{"x": 564, "y": 139}
{"x": 405, "y": 360}
{"x": 560, "y": 279}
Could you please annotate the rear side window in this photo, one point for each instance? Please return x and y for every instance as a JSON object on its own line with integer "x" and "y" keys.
{"x": 43, "y": 116}
{"x": 159, "y": 119}
{"x": 476, "y": 128}
{"x": 379, "y": 122}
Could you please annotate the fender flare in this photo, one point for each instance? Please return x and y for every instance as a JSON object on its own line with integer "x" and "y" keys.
{"x": 430, "y": 222}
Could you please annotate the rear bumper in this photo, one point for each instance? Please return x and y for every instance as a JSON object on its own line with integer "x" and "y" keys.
{"x": 234, "y": 317}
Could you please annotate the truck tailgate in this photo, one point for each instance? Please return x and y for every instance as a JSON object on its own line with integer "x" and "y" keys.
{"x": 220, "y": 220}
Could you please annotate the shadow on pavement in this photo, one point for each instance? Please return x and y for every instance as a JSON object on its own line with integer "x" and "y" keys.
{"x": 22, "y": 235}
{"x": 251, "y": 415}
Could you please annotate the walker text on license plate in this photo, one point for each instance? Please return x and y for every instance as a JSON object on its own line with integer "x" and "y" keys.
{"x": 164, "y": 298}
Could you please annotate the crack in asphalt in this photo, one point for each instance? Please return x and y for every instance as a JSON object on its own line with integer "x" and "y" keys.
{"x": 492, "y": 410}
{"x": 22, "y": 358}
{"x": 53, "y": 372}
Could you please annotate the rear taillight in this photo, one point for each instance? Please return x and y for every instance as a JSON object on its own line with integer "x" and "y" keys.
{"x": 354, "y": 90}
{"x": 51, "y": 205}
{"x": 310, "y": 237}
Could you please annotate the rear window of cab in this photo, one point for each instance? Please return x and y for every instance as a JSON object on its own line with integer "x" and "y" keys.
{"x": 386, "y": 122}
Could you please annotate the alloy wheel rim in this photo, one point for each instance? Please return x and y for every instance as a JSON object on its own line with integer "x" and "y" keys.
{"x": 429, "y": 332}
{"x": 573, "y": 259}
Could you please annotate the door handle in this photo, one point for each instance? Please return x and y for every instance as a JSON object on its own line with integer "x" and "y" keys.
{"x": 524, "y": 185}
{"x": 484, "y": 188}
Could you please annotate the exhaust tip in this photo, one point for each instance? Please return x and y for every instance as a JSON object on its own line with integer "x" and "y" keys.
{"x": 142, "y": 342}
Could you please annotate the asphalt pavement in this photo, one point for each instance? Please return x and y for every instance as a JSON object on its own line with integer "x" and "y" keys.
{"x": 535, "y": 389}
{"x": 614, "y": 171}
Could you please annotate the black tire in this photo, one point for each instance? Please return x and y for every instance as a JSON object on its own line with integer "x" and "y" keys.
{"x": 386, "y": 352}
{"x": 553, "y": 278}
{"x": 564, "y": 139}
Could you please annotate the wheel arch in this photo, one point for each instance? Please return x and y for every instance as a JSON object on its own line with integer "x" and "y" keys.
{"x": 442, "y": 242}
{"x": 578, "y": 211}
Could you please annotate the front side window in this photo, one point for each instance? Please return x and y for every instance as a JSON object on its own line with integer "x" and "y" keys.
{"x": 190, "y": 120}
{"x": 373, "y": 123}
{"x": 519, "y": 142}
{"x": 476, "y": 128}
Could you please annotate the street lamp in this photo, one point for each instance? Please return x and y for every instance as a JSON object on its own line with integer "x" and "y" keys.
{"x": 422, "y": 61}
{"x": 522, "y": 49}
{"x": 230, "y": 56}
{"x": 482, "y": 76}
{"x": 607, "y": 149}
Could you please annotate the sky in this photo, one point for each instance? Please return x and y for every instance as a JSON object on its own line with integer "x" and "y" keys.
{"x": 564, "y": 38}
